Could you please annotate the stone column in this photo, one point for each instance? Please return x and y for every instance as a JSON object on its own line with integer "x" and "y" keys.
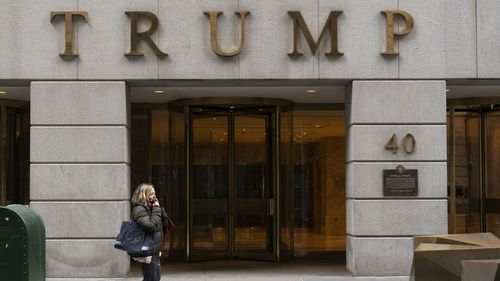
{"x": 80, "y": 174}
{"x": 380, "y": 228}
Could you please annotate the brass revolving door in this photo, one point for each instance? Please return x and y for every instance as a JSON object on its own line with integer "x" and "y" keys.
{"x": 232, "y": 179}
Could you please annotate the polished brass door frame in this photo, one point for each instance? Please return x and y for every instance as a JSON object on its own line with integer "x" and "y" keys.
{"x": 272, "y": 178}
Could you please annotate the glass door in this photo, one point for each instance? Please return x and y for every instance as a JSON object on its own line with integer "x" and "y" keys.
{"x": 492, "y": 175}
{"x": 209, "y": 184}
{"x": 474, "y": 165}
{"x": 254, "y": 204}
{"x": 232, "y": 184}
{"x": 466, "y": 172}
{"x": 469, "y": 185}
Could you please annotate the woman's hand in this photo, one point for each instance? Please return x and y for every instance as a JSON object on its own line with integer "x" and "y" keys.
{"x": 156, "y": 203}
{"x": 153, "y": 201}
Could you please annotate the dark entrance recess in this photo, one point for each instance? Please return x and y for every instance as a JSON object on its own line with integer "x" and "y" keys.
{"x": 245, "y": 178}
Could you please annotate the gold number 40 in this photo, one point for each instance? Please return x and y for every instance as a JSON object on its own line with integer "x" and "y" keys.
{"x": 408, "y": 143}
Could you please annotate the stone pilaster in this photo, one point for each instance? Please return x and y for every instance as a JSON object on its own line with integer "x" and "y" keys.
{"x": 80, "y": 174}
{"x": 380, "y": 228}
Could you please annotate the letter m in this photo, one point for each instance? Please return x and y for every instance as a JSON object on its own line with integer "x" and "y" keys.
{"x": 299, "y": 24}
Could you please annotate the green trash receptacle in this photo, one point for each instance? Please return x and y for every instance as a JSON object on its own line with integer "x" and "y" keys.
{"x": 22, "y": 244}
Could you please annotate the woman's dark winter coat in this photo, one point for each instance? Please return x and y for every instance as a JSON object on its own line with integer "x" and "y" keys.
{"x": 152, "y": 220}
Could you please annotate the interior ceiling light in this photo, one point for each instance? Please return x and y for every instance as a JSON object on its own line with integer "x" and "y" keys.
{"x": 317, "y": 126}
{"x": 159, "y": 92}
{"x": 2, "y": 93}
{"x": 311, "y": 91}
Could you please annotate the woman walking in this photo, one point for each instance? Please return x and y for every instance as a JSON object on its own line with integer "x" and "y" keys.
{"x": 148, "y": 213}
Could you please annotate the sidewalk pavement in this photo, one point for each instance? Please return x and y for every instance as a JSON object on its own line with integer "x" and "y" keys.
{"x": 238, "y": 270}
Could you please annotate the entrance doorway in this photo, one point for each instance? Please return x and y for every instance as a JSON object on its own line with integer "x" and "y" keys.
{"x": 14, "y": 152}
{"x": 474, "y": 164}
{"x": 232, "y": 182}
{"x": 245, "y": 178}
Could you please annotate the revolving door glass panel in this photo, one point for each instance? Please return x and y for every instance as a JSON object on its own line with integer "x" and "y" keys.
{"x": 253, "y": 191}
{"x": 231, "y": 184}
{"x": 473, "y": 170}
{"x": 209, "y": 185}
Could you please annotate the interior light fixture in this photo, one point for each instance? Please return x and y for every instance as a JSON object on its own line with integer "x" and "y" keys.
{"x": 2, "y": 93}
{"x": 311, "y": 91}
{"x": 317, "y": 126}
{"x": 159, "y": 92}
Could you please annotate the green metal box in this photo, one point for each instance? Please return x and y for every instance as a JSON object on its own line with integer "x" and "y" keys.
{"x": 22, "y": 244}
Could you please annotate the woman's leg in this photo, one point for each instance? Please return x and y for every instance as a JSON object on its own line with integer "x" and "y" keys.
{"x": 151, "y": 271}
{"x": 156, "y": 259}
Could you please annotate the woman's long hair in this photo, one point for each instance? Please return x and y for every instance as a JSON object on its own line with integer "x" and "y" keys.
{"x": 140, "y": 195}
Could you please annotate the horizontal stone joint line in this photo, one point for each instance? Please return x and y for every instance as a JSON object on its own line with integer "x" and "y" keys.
{"x": 77, "y": 81}
{"x": 397, "y": 124}
{"x": 78, "y": 200}
{"x": 78, "y": 163}
{"x": 78, "y": 125}
{"x": 81, "y": 238}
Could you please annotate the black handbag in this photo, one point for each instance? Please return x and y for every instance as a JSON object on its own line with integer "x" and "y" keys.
{"x": 134, "y": 240}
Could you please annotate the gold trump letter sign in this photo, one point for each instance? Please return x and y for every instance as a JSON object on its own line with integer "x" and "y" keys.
{"x": 389, "y": 50}
{"x": 299, "y": 25}
{"x": 145, "y": 35}
{"x": 213, "y": 33}
{"x": 331, "y": 24}
{"x": 68, "y": 30}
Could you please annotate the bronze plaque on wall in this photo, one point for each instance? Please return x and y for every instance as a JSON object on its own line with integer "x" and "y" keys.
{"x": 401, "y": 182}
